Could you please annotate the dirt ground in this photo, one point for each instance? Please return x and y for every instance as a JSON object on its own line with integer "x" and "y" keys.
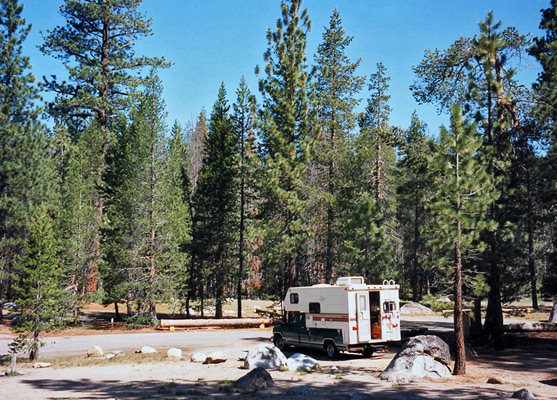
{"x": 530, "y": 361}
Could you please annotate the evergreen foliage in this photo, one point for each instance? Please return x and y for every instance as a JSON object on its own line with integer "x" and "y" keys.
{"x": 138, "y": 247}
{"x": 287, "y": 129}
{"x": 464, "y": 193}
{"x": 215, "y": 224}
{"x": 41, "y": 298}
{"x": 336, "y": 87}
{"x": 27, "y": 174}
{"x": 414, "y": 187}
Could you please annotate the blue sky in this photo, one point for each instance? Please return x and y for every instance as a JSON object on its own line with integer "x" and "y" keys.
{"x": 214, "y": 41}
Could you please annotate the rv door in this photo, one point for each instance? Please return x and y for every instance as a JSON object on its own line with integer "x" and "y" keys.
{"x": 364, "y": 323}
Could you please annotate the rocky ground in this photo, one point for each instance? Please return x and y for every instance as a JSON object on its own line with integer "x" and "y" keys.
{"x": 528, "y": 362}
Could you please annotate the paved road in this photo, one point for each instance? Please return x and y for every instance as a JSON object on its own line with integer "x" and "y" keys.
{"x": 189, "y": 341}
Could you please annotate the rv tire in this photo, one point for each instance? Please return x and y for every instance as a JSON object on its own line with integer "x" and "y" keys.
{"x": 331, "y": 349}
{"x": 278, "y": 341}
{"x": 368, "y": 351}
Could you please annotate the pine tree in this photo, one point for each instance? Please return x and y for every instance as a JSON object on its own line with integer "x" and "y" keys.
{"x": 465, "y": 192}
{"x": 215, "y": 200}
{"x": 27, "y": 174}
{"x": 243, "y": 124}
{"x": 373, "y": 165}
{"x": 414, "y": 187}
{"x": 176, "y": 214}
{"x": 336, "y": 86}
{"x": 136, "y": 190}
{"x": 545, "y": 113}
{"x": 41, "y": 296}
{"x": 286, "y": 124}
{"x": 478, "y": 73}
{"x": 96, "y": 46}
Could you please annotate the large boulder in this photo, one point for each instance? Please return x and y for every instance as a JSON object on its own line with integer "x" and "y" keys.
{"x": 254, "y": 380}
{"x": 415, "y": 309}
{"x": 266, "y": 356}
{"x": 420, "y": 357}
{"x": 523, "y": 394}
{"x": 301, "y": 362}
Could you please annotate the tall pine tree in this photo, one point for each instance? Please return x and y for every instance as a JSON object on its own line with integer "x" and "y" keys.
{"x": 27, "y": 174}
{"x": 215, "y": 200}
{"x": 464, "y": 193}
{"x": 337, "y": 86}
{"x": 96, "y": 47}
{"x": 286, "y": 124}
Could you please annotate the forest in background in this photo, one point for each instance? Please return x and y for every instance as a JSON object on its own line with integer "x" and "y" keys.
{"x": 102, "y": 199}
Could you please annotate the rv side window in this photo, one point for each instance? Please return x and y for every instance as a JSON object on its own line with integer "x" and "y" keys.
{"x": 314, "y": 308}
{"x": 294, "y": 299}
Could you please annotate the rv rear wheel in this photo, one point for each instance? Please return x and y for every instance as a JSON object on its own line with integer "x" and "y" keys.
{"x": 368, "y": 351}
{"x": 331, "y": 349}
{"x": 279, "y": 342}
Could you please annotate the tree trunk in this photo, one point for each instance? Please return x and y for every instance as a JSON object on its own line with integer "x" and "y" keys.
{"x": 460, "y": 353}
{"x": 476, "y": 328}
{"x": 117, "y": 311}
{"x": 530, "y": 227}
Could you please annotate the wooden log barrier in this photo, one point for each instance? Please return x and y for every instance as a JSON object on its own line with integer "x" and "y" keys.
{"x": 202, "y": 323}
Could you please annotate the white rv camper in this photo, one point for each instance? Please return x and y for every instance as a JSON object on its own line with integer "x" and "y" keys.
{"x": 347, "y": 316}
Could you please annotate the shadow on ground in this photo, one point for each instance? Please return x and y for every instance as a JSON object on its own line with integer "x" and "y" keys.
{"x": 182, "y": 389}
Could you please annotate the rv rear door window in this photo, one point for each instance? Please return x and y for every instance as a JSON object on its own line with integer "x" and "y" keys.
{"x": 314, "y": 308}
{"x": 294, "y": 299}
{"x": 389, "y": 306}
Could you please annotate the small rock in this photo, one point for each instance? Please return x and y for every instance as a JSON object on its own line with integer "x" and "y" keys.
{"x": 496, "y": 380}
{"x": 300, "y": 391}
{"x": 257, "y": 378}
{"x": 523, "y": 394}
{"x": 333, "y": 368}
{"x": 147, "y": 350}
{"x": 174, "y": 352}
{"x": 95, "y": 351}
{"x": 216, "y": 357}
{"x": 2, "y": 373}
{"x": 42, "y": 365}
{"x": 109, "y": 356}
{"x": 198, "y": 357}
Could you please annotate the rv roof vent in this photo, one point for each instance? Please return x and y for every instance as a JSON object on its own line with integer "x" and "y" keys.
{"x": 350, "y": 280}
{"x": 321, "y": 285}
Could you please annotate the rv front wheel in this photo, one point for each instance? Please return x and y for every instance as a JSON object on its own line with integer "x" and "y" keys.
{"x": 279, "y": 342}
{"x": 331, "y": 349}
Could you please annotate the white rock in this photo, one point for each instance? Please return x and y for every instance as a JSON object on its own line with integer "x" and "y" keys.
{"x": 216, "y": 356}
{"x": 95, "y": 351}
{"x": 147, "y": 350}
{"x": 199, "y": 358}
{"x": 174, "y": 352}
{"x": 265, "y": 356}
{"x": 301, "y": 362}
{"x": 42, "y": 365}
{"x": 109, "y": 356}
